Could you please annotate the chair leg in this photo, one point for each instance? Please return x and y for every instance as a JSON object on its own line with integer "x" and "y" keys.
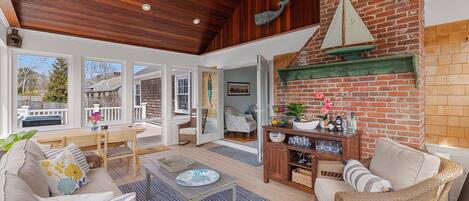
{"x": 134, "y": 160}
{"x": 138, "y": 162}
{"x": 128, "y": 164}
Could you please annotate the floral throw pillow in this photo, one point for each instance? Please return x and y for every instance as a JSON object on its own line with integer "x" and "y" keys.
{"x": 63, "y": 173}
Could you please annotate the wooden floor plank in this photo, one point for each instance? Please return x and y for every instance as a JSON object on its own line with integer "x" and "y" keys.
{"x": 248, "y": 177}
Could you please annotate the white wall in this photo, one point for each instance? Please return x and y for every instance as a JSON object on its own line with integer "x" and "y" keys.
{"x": 445, "y": 11}
{"x": 241, "y": 103}
{"x": 3, "y": 71}
{"x": 246, "y": 55}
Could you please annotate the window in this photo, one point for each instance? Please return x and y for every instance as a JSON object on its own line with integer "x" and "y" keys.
{"x": 147, "y": 93}
{"x": 41, "y": 90}
{"x": 182, "y": 94}
{"x": 138, "y": 94}
{"x": 103, "y": 90}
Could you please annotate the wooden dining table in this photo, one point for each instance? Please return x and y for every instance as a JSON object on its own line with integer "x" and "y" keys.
{"x": 56, "y": 137}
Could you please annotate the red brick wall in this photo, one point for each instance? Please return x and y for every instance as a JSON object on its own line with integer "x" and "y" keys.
{"x": 386, "y": 105}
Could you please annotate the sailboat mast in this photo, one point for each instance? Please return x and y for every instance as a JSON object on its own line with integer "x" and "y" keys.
{"x": 343, "y": 22}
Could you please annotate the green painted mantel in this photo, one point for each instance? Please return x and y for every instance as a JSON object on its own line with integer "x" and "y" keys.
{"x": 363, "y": 67}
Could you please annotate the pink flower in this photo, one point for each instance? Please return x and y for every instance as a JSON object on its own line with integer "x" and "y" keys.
{"x": 324, "y": 111}
{"x": 95, "y": 117}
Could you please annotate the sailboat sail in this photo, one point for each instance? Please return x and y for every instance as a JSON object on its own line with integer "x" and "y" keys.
{"x": 356, "y": 31}
{"x": 347, "y": 28}
{"x": 334, "y": 33}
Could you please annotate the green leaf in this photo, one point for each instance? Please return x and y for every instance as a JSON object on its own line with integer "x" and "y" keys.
{"x": 9, "y": 141}
{"x": 27, "y": 135}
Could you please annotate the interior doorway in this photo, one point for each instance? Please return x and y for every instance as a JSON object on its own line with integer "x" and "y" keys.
{"x": 240, "y": 107}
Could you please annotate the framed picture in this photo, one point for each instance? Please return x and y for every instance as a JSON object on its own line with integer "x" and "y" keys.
{"x": 239, "y": 89}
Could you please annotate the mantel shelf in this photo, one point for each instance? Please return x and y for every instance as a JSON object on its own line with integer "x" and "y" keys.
{"x": 362, "y": 67}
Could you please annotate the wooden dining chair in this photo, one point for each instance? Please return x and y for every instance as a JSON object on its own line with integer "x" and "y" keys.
{"x": 89, "y": 145}
{"x": 128, "y": 150}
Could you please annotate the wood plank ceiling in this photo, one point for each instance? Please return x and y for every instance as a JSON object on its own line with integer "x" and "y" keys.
{"x": 168, "y": 25}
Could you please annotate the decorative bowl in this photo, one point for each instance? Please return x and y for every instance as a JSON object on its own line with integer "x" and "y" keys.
{"x": 197, "y": 177}
{"x": 276, "y": 136}
{"x": 306, "y": 125}
{"x": 279, "y": 121}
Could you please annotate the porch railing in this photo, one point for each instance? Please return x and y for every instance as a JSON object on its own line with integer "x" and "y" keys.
{"x": 109, "y": 114}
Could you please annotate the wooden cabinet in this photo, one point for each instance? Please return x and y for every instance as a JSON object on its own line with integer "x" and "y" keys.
{"x": 280, "y": 159}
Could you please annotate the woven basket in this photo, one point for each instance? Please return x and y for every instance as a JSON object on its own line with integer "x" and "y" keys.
{"x": 302, "y": 177}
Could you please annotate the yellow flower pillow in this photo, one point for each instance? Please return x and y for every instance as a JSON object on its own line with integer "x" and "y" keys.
{"x": 63, "y": 173}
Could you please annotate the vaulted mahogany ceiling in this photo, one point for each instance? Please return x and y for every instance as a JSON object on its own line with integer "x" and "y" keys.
{"x": 168, "y": 25}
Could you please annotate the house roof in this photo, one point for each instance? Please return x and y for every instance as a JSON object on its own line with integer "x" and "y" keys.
{"x": 112, "y": 84}
{"x": 146, "y": 70}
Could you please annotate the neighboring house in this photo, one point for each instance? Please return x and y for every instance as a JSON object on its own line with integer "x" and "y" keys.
{"x": 106, "y": 93}
{"x": 147, "y": 88}
{"x": 147, "y": 92}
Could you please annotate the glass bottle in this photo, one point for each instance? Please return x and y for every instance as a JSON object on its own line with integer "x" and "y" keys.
{"x": 354, "y": 124}
{"x": 345, "y": 122}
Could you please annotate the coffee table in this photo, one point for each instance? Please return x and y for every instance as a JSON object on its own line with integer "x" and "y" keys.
{"x": 225, "y": 182}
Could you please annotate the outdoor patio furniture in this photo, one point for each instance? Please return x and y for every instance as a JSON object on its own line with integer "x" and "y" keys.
{"x": 42, "y": 121}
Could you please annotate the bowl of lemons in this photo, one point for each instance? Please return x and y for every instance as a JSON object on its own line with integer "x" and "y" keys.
{"x": 279, "y": 121}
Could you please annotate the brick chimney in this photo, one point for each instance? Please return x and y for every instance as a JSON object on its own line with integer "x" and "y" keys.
{"x": 388, "y": 105}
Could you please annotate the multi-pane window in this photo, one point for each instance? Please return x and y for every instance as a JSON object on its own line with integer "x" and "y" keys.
{"x": 103, "y": 90}
{"x": 138, "y": 94}
{"x": 182, "y": 94}
{"x": 41, "y": 90}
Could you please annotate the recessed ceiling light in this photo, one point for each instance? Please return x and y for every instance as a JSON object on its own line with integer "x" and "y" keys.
{"x": 146, "y": 7}
{"x": 196, "y": 21}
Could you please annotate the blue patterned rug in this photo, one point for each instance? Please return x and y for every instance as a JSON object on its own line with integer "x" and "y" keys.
{"x": 239, "y": 155}
{"x": 161, "y": 191}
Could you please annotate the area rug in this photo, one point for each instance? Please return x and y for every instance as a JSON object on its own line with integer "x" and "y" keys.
{"x": 239, "y": 155}
{"x": 160, "y": 191}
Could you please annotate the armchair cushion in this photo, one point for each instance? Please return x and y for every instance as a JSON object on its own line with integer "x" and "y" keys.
{"x": 402, "y": 165}
{"x": 325, "y": 189}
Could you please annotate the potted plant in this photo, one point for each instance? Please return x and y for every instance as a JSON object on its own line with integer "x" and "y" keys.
{"x": 7, "y": 143}
{"x": 297, "y": 111}
{"x": 94, "y": 119}
{"x": 325, "y": 108}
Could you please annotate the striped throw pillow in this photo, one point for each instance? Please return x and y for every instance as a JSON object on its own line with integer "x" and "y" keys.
{"x": 362, "y": 180}
{"x": 76, "y": 153}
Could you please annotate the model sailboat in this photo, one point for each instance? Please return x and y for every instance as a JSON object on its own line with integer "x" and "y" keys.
{"x": 347, "y": 29}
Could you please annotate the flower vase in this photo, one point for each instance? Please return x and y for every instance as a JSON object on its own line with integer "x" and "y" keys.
{"x": 321, "y": 124}
{"x": 94, "y": 127}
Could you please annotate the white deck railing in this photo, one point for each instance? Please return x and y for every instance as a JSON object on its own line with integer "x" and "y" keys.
{"x": 110, "y": 114}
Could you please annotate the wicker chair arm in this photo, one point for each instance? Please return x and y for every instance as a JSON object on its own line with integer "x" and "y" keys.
{"x": 423, "y": 191}
{"x": 185, "y": 125}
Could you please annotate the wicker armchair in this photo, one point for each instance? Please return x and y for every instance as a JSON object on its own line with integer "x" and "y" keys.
{"x": 435, "y": 188}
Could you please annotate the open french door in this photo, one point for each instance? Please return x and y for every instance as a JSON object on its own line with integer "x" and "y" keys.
{"x": 209, "y": 111}
{"x": 263, "y": 66}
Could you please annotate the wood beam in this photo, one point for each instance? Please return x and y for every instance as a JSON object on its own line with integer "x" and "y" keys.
{"x": 9, "y": 12}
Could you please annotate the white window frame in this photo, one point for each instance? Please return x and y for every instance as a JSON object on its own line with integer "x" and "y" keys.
{"x": 176, "y": 94}
{"x": 139, "y": 94}
{"x": 14, "y": 94}
{"x": 123, "y": 89}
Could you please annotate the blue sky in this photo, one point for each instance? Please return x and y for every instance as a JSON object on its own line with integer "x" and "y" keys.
{"x": 42, "y": 64}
